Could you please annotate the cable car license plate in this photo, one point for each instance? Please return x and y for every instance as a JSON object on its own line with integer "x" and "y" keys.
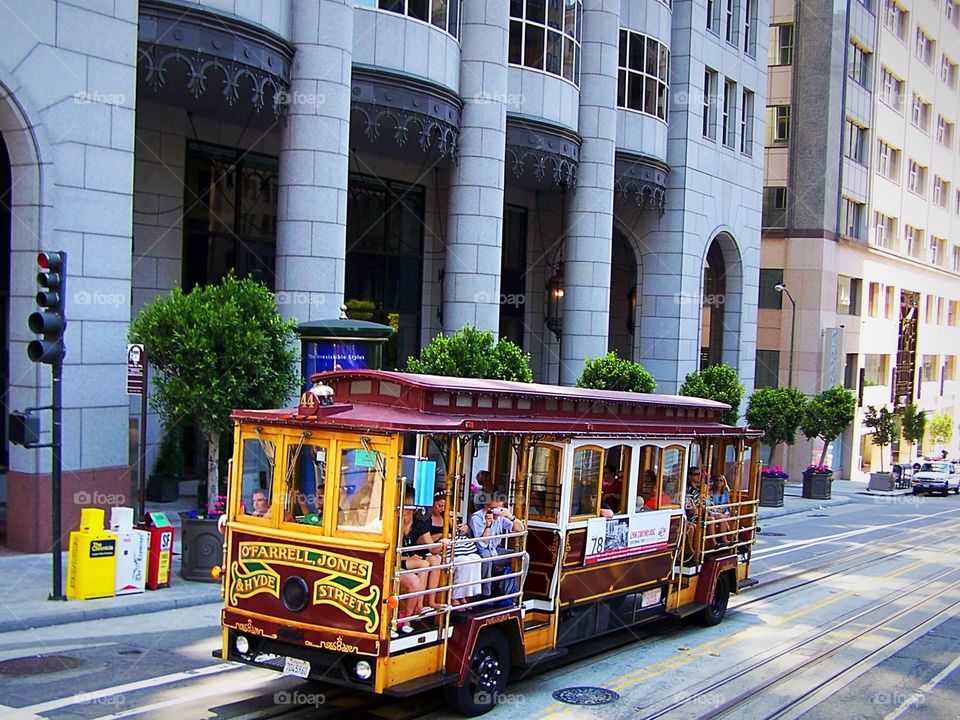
{"x": 296, "y": 667}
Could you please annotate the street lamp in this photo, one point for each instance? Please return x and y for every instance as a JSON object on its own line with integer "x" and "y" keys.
{"x": 781, "y": 288}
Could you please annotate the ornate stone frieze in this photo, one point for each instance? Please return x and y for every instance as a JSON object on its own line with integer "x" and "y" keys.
{"x": 216, "y": 52}
{"x": 407, "y": 109}
{"x": 642, "y": 180}
{"x": 545, "y": 153}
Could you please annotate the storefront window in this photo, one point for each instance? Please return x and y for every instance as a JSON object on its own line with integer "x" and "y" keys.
{"x": 230, "y": 222}
{"x": 444, "y": 14}
{"x": 384, "y": 260}
{"x": 545, "y": 35}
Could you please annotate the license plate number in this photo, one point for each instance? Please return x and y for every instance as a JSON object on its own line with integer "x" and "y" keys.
{"x": 298, "y": 668}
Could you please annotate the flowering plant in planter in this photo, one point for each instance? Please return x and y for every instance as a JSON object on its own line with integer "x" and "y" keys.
{"x": 213, "y": 511}
{"x": 773, "y": 471}
{"x": 817, "y": 470}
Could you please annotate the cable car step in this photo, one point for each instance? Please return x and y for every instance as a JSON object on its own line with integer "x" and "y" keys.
{"x": 687, "y": 610}
{"x": 428, "y": 682}
{"x": 543, "y": 656}
{"x": 748, "y": 582}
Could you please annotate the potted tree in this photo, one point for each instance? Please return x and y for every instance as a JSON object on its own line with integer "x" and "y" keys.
{"x": 611, "y": 372}
{"x": 913, "y": 424}
{"x": 164, "y": 483}
{"x": 883, "y": 423}
{"x": 472, "y": 353}
{"x": 720, "y": 383}
{"x": 777, "y": 412}
{"x": 826, "y": 415}
{"x": 213, "y": 349}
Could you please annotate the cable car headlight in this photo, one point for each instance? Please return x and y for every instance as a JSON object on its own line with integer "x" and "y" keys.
{"x": 363, "y": 670}
{"x": 242, "y": 644}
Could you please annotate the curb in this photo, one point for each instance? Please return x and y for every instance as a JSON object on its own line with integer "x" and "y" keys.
{"x": 103, "y": 613}
{"x": 770, "y": 513}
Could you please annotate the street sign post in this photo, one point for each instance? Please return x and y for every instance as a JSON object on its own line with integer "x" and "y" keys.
{"x": 137, "y": 385}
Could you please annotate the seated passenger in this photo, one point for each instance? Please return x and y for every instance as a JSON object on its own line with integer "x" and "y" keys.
{"x": 261, "y": 503}
{"x": 467, "y": 572}
{"x": 612, "y": 487}
{"x": 416, "y": 531}
{"x": 489, "y": 521}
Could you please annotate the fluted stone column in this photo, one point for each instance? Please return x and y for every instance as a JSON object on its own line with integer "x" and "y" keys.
{"x": 589, "y": 231}
{"x": 314, "y": 162}
{"x": 471, "y": 290}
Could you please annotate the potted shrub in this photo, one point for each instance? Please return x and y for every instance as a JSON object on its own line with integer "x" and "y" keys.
{"x": 213, "y": 349}
{"x": 720, "y": 383}
{"x": 826, "y": 415}
{"x": 472, "y": 353}
{"x": 612, "y": 372}
{"x": 777, "y": 412}
{"x": 883, "y": 423}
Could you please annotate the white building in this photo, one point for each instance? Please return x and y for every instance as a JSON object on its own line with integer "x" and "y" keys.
{"x": 429, "y": 164}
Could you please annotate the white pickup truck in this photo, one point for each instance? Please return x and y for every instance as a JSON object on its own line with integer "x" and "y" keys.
{"x": 941, "y": 477}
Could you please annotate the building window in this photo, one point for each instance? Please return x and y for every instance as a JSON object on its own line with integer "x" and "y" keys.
{"x": 890, "y": 304}
{"x": 513, "y": 274}
{"x": 955, "y": 265}
{"x": 948, "y": 71}
{"x": 913, "y": 240}
{"x": 775, "y": 207}
{"x": 713, "y": 16}
{"x": 888, "y": 161}
{"x": 710, "y": 79}
{"x": 951, "y": 12}
{"x": 875, "y": 370}
{"x": 892, "y": 91}
{"x": 642, "y": 83}
{"x": 729, "y": 125}
{"x": 925, "y": 47}
{"x": 920, "y": 113}
{"x": 917, "y": 178}
{"x": 941, "y": 191}
{"x": 858, "y": 66}
{"x": 768, "y": 369}
{"x": 848, "y": 295}
{"x": 778, "y": 122}
{"x": 750, "y": 28}
{"x": 746, "y": 123}
{"x": 231, "y": 220}
{"x": 444, "y": 14}
{"x": 781, "y": 44}
{"x": 546, "y": 36}
{"x": 895, "y": 19}
{"x": 873, "y": 299}
{"x": 857, "y": 144}
{"x": 885, "y": 230}
{"x": 732, "y": 10}
{"x": 769, "y": 298}
{"x": 853, "y": 218}
{"x": 938, "y": 251}
{"x": 944, "y": 132}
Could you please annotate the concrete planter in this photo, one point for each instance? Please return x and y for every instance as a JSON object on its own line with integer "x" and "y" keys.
{"x": 771, "y": 490}
{"x": 201, "y": 547}
{"x": 881, "y": 481}
{"x": 817, "y": 486}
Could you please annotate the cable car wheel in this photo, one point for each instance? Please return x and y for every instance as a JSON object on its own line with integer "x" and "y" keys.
{"x": 486, "y": 677}
{"x": 713, "y": 613}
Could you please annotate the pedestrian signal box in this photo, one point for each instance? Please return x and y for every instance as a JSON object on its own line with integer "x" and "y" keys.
{"x": 92, "y": 564}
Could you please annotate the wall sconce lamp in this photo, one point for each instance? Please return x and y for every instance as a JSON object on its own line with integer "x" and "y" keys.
{"x": 632, "y": 305}
{"x": 555, "y": 301}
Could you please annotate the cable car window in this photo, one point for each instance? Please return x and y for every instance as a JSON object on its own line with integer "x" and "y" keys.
{"x": 360, "y": 500}
{"x": 256, "y": 477}
{"x": 585, "y": 498}
{"x": 304, "y": 484}
{"x": 673, "y": 467}
{"x": 544, "y": 483}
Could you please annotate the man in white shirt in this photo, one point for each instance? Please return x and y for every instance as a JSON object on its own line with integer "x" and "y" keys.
{"x": 485, "y": 524}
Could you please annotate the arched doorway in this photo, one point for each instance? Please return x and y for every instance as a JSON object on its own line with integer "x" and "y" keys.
{"x": 711, "y": 328}
{"x": 720, "y": 331}
{"x": 624, "y": 291}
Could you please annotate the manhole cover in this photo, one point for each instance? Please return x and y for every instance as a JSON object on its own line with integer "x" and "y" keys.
{"x": 585, "y": 696}
{"x": 130, "y": 652}
{"x": 818, "y": 515}
{"x": 767, "y": 533}
{"x": 38, "y": 664}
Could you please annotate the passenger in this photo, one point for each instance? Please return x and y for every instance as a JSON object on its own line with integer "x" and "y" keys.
{"x": 437, "y": 511}
{"x": 261, "y": 503}
{"x": 588, "y": 505}
{"x": 467, "y": 571}
{"x": 612, "y": 487}
{"x": 650, "y": 481}
{"x": 416, "y": 531}
{"x": 692, "y": 506}
{"x": 488, "y": 522}
{"x": 718, "y": 502}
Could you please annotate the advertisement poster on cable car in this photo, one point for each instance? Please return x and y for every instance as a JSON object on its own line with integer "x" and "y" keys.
{"x": 616, "y": 538}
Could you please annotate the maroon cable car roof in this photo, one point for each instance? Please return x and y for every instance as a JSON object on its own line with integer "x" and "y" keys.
{"x": 378, "y": 400}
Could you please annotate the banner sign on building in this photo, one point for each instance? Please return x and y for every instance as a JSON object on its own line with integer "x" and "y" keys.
{"x": 616, "y": 538}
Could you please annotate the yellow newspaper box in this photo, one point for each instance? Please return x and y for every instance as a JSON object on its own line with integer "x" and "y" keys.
{"x": 93, "y": 558}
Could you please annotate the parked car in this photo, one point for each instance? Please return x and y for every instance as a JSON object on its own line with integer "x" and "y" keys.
{"x": 941, "y": 477}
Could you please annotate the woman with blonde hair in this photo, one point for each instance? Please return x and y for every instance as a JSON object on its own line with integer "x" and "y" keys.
{"x": 718, "y": 508}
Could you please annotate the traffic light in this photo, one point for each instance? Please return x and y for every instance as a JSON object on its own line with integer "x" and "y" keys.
{"x": 49, "y": 320}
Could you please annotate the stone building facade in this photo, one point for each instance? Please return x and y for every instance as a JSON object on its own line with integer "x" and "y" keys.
{"x": 428, "y": 164}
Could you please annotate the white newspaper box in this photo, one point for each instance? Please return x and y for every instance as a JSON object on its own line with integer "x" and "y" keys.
{"x": 132, "y": 549}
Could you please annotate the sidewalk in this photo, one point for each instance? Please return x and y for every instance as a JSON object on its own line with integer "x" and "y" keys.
{"x": 26, "y": 580}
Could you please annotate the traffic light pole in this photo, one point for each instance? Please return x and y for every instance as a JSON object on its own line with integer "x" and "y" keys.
{"x": 57, "y": 442}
